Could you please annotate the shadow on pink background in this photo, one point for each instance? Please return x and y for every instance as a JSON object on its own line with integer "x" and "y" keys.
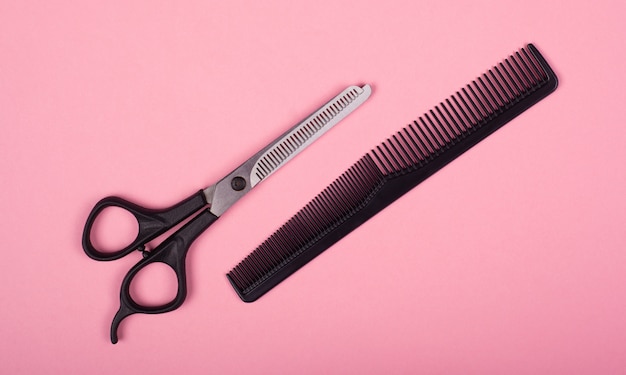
{"x": 510, "y": 260}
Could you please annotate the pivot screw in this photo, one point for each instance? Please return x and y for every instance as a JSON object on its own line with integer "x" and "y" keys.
{"x": 238, "y": 183}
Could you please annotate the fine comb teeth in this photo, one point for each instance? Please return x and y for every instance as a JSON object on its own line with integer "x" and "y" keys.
{"x": 395, "y": 167}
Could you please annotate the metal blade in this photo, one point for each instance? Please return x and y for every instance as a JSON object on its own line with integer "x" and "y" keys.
{"x": 236, "y": 184}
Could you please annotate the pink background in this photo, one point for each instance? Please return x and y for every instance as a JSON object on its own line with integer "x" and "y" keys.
{"x": 510, "y": 260}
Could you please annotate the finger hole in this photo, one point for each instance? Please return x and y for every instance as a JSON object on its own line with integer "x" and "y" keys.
{"x": 154, "y": 285}
{"x": 114, "y": 229}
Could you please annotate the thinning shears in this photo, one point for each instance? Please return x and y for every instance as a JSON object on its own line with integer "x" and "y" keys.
{"x": 207, "y": 205}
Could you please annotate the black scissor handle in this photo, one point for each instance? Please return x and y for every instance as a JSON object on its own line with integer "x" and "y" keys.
{"x": 172, "y": 252}
{"x": 152, "y": 223}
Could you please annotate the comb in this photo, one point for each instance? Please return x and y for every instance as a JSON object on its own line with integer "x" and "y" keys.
{"x": 396, "y": 166}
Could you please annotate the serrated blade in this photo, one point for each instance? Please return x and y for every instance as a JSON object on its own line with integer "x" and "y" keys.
{"x": 265, "y": 162}
{"x": 306, "y": 132}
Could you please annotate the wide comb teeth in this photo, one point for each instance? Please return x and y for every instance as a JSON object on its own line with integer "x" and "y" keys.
{"x": 395, "y": 167}
{"x": 463, "y": 113}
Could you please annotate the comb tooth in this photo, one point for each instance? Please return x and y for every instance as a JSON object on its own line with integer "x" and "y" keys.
{"x": 340, "y": 194}
{"x": 322, "y": 203}
{"x": 410, "y": 150}
{"x": 441, "y": 118}
{"x": 370, "y": 172}
{"x": 238, "y": 276}
{"x": 360, "y": 178}
{"x": 423, "y": 140}
{"x": 244, "y": 270}
{"x": 400, "y": 152}
{"x": 473, "y": 122}
{"x": 354, "y": 183}
{"x": 516, "y": 92}
{"x": 235, "y": 277}
{"x": 263, "y": 262}
{"x": 309, "y": 218}
{"x": 447, "y": 132}
{"x": 504, "y": 96}
{"x": 280, "y": 242}
{"x": 525, "y": 69}
{"x": 493, "y": 95}
{"x": 396, "y": 164}
{"x": 270, "y": 250}
{"x": 448, "y": 116}
{"x": 294, "y": 239}
{"x": 312, "y": 218}
{"x": 455, "y": 130}
{"x": 537, "y": 73}
{"x": 488, "y": 97}
{"x": 537, "y": 67}
{"x": 355, "y": 188}
{"x": 381, "y": 160}
{"x": 306, "y": 221}
{"x": 327, "y": 201}
{"x": 483, "y": 110}
{"x": 347, "y": 190}
{"x": 247, "y": 271}
{"x": 378, "y": 162}
{"x": 272, "y": 245}
{"x": 255, "y": 269}
{"x": 507, "y": 90}
{"x": 433, "y": 128}
{"x": 497, "y": 99}
{"x": 510, "y": 83}
{"x": 297, "y": 229}
{"x": 479, "y": 116}
{"x": 429, "y": 139}
{"x": 352, "y": 187}
{"x": 414, "y": 146}
{"x": 265, "y": 256}
{"x": 438, "y": 142}
{"x": 516, "y": 78}
{"x": 384, "y": 154}
{"x": 463, "y": 122}
{"x": 486, "y": 104}
{"x": 321, "y": 215}
{"x": 257, "y": 260}
{"x": 527, "y": 80}
{"x": 291, "y": 235}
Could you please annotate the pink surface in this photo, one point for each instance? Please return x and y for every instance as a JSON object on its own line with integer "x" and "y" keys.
{"x": 510, "y": 260}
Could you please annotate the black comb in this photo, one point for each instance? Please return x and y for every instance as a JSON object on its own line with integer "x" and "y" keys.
{"x": 395, "y": 167}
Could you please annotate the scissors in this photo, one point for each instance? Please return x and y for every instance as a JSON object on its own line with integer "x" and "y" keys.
{"x": 207, "y": 205}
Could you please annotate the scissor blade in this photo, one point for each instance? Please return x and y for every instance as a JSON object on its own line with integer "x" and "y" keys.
{"x": 236, "y": 184}
{"x": 283, "y": 149}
